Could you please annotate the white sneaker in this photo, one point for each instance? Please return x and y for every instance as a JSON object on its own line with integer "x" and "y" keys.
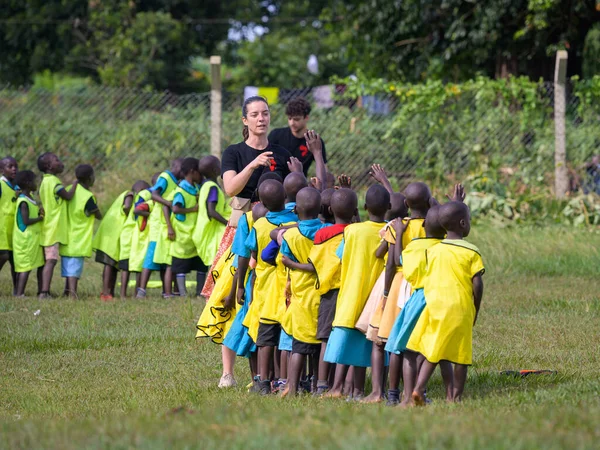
{"x": 227, "y": 381}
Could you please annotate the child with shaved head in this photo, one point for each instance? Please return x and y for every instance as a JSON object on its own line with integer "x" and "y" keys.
{"x": 8, "y": 192}
{"x": 453, "y": 287}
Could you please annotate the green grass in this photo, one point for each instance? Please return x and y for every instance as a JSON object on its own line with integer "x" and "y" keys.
{"x": 95, "y": 375}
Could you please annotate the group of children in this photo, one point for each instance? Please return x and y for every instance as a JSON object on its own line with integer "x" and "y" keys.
{"x": 172, "y": 227}
{"x": 312, "y": 296}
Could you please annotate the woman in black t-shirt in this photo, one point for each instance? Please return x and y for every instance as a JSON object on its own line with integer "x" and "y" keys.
{"x": 243, "y": 164}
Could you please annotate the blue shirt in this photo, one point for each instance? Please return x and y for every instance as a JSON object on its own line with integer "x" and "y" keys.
{"x": 179, "y": 200}
{"x": 161, "y": 183}
{"x": 308, "y": 228}
{"x": 276, "y": 218}
{"x": 239, "y": 241}
{"x": 340, "y": 250}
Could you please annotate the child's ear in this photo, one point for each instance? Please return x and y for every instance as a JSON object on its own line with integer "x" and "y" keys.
{"x": 406, "y": 204}
{"x": 389, "y": 206}
{"x": 462, "y": 223}
{"x": 329, "y": 211}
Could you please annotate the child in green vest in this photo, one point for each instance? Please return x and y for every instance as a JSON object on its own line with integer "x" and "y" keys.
{"x": 126, "y": 236}
{"x": 161, "y": 192}
{"x": 181, "y": 226}
{"x": 213, "y": 214}
{"x": 54, "y": 198}
{"x": 26, "y": 237}
{"x": 82, "y": 210}
{"x": 8, "y": 197}
{"x": 106, "y": 242}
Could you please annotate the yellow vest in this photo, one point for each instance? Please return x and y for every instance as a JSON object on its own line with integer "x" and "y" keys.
{"x": 208, "y": 232}
{"x": 127, "y": 233}
{"x": 107, "y": 236}
{"x": 156, "y": 221}
{"x": 414, "y": 260}
{"x": 305, "y": 301}
{"x": 183, "y": 247}
{"x": 81, "y": 226}
{"x": 26, "y": 239}
{"x": 360, "y": 270}
{"x": 162, "y": 251}
{"x": 140, "y": 238}
{"x": 7, "y": 214}
{"x": 327, "y": 265}
{"x": 55, "y": 226}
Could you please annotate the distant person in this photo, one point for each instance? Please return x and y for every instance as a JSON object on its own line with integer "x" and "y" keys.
{"x": 292, "y": 136}
{"x": 592, "y": 175}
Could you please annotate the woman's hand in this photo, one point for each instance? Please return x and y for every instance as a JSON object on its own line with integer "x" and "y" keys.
{"x": 262, "y": 160}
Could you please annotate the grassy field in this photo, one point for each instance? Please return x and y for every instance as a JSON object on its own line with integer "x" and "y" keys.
{"x": 129, "y": 373}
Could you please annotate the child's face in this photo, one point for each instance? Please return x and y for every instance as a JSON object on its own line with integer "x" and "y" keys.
{"x": 196, "y": 176}
{"x": 9, "y": 169}
{"x": 56, "y": 165}
{"x": 92, "y": 180}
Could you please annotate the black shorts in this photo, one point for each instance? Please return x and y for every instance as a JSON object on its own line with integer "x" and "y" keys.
{"x": 188, "y": 265}
{"x": 305, "y": 349}
{"x": 103, "y": 258}
{"x": 268, "y": 335}
{"x": 326, "y": 314}
{"x": 7, "y": 254}
{"x": 123, "y": 265}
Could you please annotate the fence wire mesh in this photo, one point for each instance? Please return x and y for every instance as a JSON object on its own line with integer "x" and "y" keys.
{"x": 129, "y": 134}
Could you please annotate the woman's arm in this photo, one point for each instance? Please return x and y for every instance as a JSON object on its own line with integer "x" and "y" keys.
{"x": 234, "y": 182}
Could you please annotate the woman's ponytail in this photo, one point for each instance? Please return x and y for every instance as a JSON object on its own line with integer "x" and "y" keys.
{"x": 245, "y": 132}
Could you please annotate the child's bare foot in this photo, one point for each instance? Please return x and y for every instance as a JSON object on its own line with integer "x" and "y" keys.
{"x": 407, "y": 403}
{"x": 373, "y": 397}
{"x": 333, "y": 394}
{"x": 418, "y": 399}
{"x": 285, "y": 392}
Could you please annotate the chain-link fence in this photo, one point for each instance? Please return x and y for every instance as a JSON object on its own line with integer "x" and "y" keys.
{"x": 128, "y": 134}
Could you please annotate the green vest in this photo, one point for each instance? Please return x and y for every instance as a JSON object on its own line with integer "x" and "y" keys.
{"x": 127, "y": 232}
{"x": 81, "y": 227}
{"x": 140, "y": 237}
{"x": 55, "y": 224}
{"x": 183, "y": 246}
{"x": 155, "y": 217}
{"x": 27, "y": 250}
{"x": 107, "y": 236}
{"x": 208, "y": 232}
{"x": 7, "y": 214}
{"x": 162, "y": 251}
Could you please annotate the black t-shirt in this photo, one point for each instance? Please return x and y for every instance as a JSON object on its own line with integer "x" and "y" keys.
{"x": 238, "y": 156}
{"x": 296, "y": 146}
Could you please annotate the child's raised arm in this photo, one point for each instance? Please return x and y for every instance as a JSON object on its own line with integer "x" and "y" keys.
{"x": 315, "y": 146}
{"x": 380, "y": 176}
{"x": 67, "y": 195}
{"x": 477, "y": 294}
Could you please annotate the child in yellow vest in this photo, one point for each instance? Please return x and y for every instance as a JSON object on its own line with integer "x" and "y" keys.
{"x": 82, "y": 210}
{"x": 185, "y": 213}
{"x": 453, "y": 287}
{"x": 347, "y": 346}
{"x": 396, "y": 290}
{"x": 161, "y": 192}
{"x": 304, "y": 304}
{"x": 8, "y": 197}
{"x": 268, "y": 305}
{"x": 213, "y": 214}
{"x": 126, "y": 235}
{"x": 141, "y": 233}
{"x": 27, "y": 232}
{"x": 55, "y": 227}
{"x": 106, "y": 242}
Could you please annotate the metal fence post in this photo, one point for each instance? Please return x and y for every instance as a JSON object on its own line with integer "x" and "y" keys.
{"x": 216, "y": 101}
{"x": 561, "y": 178}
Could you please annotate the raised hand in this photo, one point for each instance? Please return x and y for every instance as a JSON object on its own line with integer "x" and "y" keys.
{"x": 378, "y": 173}
{"x": 264, "y": 159}
{"x": 295, "y": 165}
{"x": 313, "y": 141}
{"x": 458, "y": 195}
{"x": 345, "y": 181}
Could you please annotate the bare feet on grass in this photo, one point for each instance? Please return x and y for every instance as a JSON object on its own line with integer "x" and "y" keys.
{"x": 373, "y": 397}
{"x": 418, "y": 399}
{"x": 333, "y": 394}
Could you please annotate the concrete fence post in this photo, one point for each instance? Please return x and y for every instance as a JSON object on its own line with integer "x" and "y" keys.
{"x": 216, "y": 106}
{"x": 561, "y": 176}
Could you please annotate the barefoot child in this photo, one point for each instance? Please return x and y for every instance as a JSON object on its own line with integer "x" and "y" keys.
{"x": 8, "y": 197}
{"x": 268, "y": 306}
{"x": 82, "y": 210}
{"x": 160, "y": 191}
{"x": 347, "y": 346}
{"x": 453, "y": 287}
{"x": 27, "y": 233}
{"x": 55, "y": 227}
{"x": 126, "y": 236}
{"x": 304, "y": 305}
{"x": 183, "y": 251}
{"x": 213, "y": 214}
{"x": 106, "y": 242}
